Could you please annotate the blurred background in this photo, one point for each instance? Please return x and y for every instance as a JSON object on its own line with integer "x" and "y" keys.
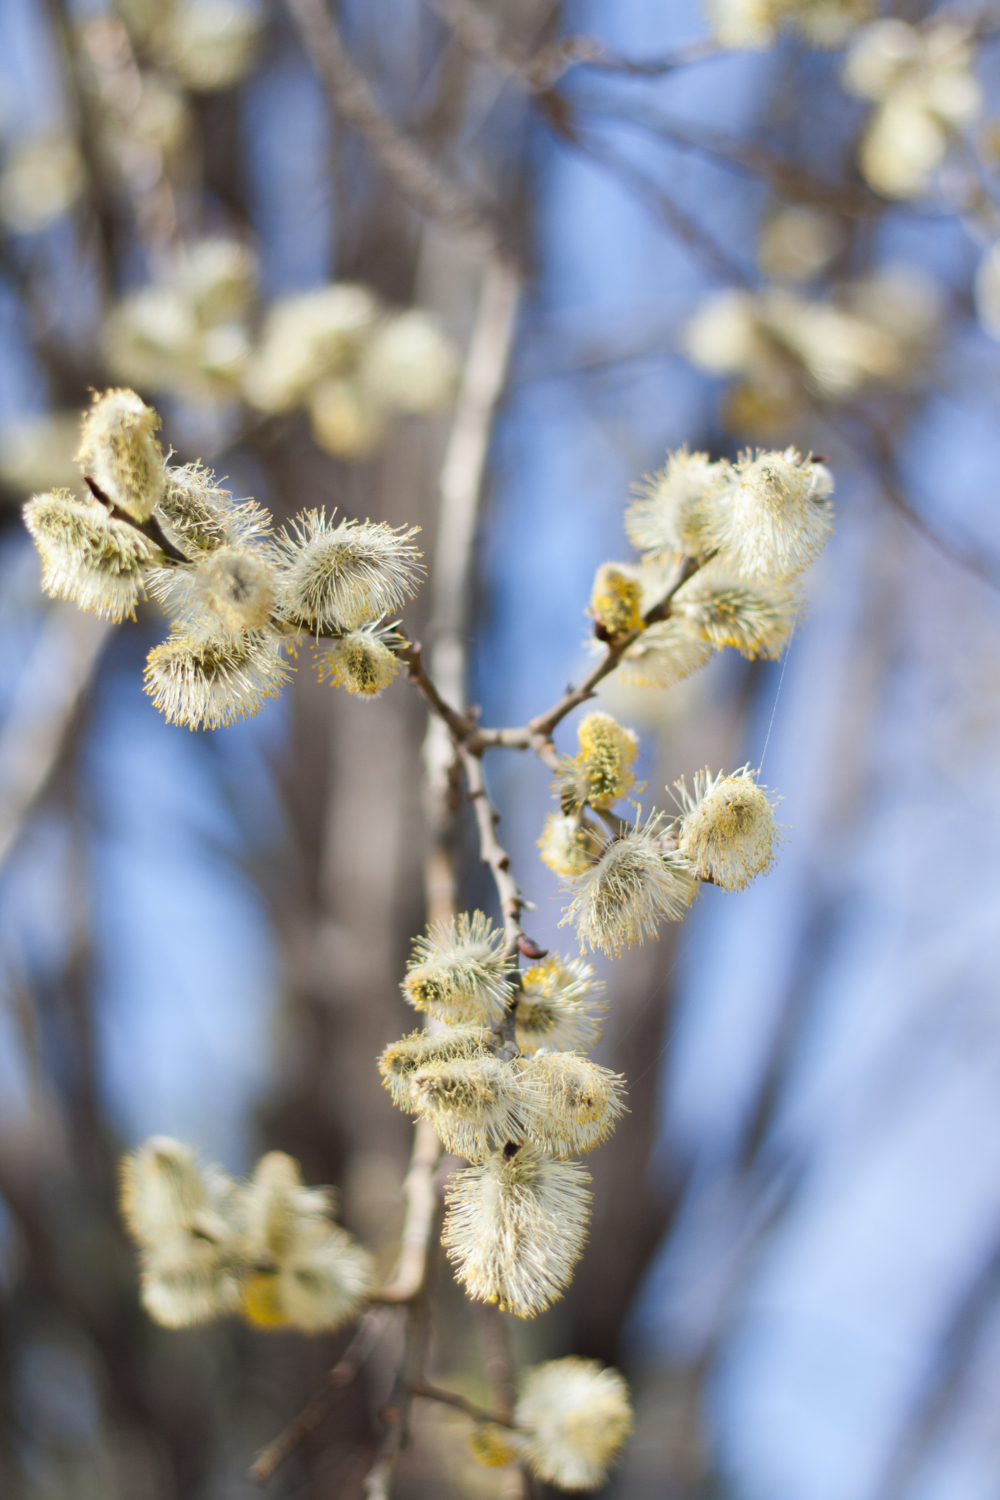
{"x": 727, "y": 234}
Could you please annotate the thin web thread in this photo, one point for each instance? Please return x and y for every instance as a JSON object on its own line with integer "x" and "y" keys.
{"x": 781, "y": 679}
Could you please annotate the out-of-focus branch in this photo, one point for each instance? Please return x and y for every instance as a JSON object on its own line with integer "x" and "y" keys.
{"x": 420, "y": 180}
{"x": 451, "y": 1398}
{"x": 54, "y": 679}
{"x": 418, "y": 1190}
{"x": 305, "y": 1424}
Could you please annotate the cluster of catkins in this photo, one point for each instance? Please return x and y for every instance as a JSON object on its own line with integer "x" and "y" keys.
{"x": 266, "y": 1248}
{"x": 238, "y": 593}
{"x": 756, "y": 23}
{"x": 880, "y": 330}
{"x": 339, "y": 351}
{"x": 269, "y": 1251}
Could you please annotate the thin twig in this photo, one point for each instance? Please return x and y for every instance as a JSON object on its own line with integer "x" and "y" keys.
{"x": 54, "y": 678}
{"x": 451, "y": 1398}
{"x": 492, "y": 851}
{"x": 418, "y": 1189}
{"x": 421, "y": 181}
{"x": 312, "y": 1414}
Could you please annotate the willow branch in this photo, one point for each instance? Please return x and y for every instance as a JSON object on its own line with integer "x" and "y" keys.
{"x": 54, "y": 679}
{"x": 418, "y": 1190}
{"x": 537, "y": 733}
{"x": 313, "y": 1413}
{"x": 451, "y": 1398}
{"x": 420, "y": 180}
{"x": 492, "y": 851}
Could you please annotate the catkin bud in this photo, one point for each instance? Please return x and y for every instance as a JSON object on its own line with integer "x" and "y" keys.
{"x": 572, "y": 1418}
{"x": 344, "y": 575}
{"x": 201, "y": 517}
{"x": 402, "y": 1059}
{"x": 119, "y": 452}
{"x": 615, "y": 601}
{"x": 601, "y": 773}
{"x": 665, "y": 653}
{"x": 458, "y": 972}
{"x": 307, "y": 338}
{"x": 187, "y": 1221}
{"x": 409, "y": 364}
{"x": 88, "y": 555}
{"x": 306, "y": 1272}
{"x": 776, "y": 517}
{"x": 207, "y": 683}
{"x": 475, "y": 1104}
{"x": 493, "y": 1446}
{"x": 755, "y": 616}
{"x": 567, "y": 845}
{"x": 559, "y": 1005}
{"x": 580, "y": 1102}
{"x": 345, "y": 418}
{"x": 634, "y": 885}
{"x": 362, "y": 661}
{"x": 671, "y": 516}
{"x": 727, "y": 830}
{"x": 230, "y": 591}
{"x": 515, "y": 1228}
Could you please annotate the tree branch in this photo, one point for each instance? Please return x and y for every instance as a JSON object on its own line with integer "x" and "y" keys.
{"x": 451, "y": 1398}
{"x": 305, "y": 1424}
{"x": 420, "y": 180}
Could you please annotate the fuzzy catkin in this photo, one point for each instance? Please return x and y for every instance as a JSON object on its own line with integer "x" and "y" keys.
{"x": 634, "y": 886}
{"x": 210, "y": 682}
{"x": 88, "y": 555}
{"x": 346, "y": 574}
{"x": 580, "y": 1102}
{"x": 119, "y": 452}
{"x": 572, "y": 1418}
{"x": 515, "y": 1228}
{"x": 458, "y": 972}
{"x": 559, "y": 1006}
{"x": 728, "y": 830}
{"x": 401, "y": 1060}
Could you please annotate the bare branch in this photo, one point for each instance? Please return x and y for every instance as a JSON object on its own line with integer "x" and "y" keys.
{"x": 369, "y": 1331}
{"x": 418, "y": 1189}
{"x": 53, "y": 681}
{"x": 450, "y": 1398}
{"x": 418, "y": 178}
{"x": 492, "y": 851}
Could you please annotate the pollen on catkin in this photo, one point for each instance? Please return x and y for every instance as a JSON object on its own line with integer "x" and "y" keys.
{"x": 207, "y": 682}
{"x": 402, "y": 1059}
{"x": 634, "y": 886}
{"x": 515, "y": 1228}
{"x": 493, "y": 1446}
{"x": 727, "y": 829}
{"x": 601, "y": 773}
{"x": 580, "y": 1102}
{"x": 559, "y": 1006}
{"x": 88, "y": 556}
{"x": 615, "y": 601}
{"x": 753, "y": 615}
{"x": 458, "y": 972}
{"x": 572, "y": 1418}
{"x": 343, "y": 575}
{"x": 475, "y": 1104}
{"x": 567, "y": 845}
{"x": 362, "y": 661}
{"x": 304, "y": 1271}
{"x": 665, "y": 653}
{"x": 671, "y": 515}
{"x": 187, "y": 1221}
{"x": 776, "y": 517}
{"x": 119, "y": 452}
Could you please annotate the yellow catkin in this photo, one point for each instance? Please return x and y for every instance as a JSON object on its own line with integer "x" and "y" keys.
{"x": 615, "y": 602}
